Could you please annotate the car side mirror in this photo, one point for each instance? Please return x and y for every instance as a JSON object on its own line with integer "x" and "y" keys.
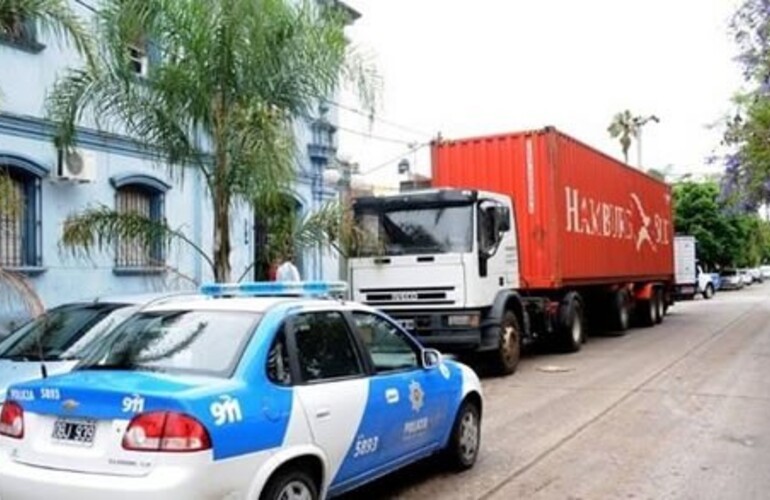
{"x": 430, "y": 358}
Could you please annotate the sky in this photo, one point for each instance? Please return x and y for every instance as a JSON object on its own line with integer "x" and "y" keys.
{"x": 468, "y": 68}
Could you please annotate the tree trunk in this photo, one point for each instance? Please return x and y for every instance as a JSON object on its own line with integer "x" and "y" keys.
{"x": 221, "y": 236}
{"x": 221, "y": 193}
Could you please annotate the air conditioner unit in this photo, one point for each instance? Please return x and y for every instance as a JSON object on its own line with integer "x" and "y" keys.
{"x": 76, "y": 165}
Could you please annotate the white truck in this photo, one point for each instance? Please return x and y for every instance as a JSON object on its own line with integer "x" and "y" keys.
{"x": 690, "y": 279}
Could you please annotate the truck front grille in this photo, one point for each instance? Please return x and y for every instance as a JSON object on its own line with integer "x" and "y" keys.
{"x": 405, "y": 296}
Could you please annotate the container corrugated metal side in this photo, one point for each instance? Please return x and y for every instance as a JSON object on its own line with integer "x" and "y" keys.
{"x": 583, "y": 217}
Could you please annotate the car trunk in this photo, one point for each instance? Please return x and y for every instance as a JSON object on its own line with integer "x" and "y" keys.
{"x": 77, "y": 423}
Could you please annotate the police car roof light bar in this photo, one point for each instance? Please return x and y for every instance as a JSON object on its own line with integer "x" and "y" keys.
{"x": 274, "y": 288}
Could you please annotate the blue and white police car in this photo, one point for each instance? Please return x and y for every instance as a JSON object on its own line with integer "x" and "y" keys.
{"x": 252, "y": 391}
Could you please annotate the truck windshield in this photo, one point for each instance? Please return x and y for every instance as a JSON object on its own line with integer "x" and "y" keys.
{"x": 415, "y": 230}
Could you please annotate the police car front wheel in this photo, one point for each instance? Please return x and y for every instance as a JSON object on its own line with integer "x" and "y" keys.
{"x": 466, "y": 437}
{"x": 293, "y": 484}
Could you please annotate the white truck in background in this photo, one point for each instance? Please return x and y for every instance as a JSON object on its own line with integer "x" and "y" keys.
{"x": 690, "y": 280}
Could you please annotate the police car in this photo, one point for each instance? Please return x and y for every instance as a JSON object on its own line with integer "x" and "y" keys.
{"x": 252, "y": 391}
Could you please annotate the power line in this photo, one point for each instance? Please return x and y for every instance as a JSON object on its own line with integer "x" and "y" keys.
{"x": 373, "y": 136}
{"x": 86, "y": 5}
{"x": 373, "y": 116}
{"x": 393, "y": 160}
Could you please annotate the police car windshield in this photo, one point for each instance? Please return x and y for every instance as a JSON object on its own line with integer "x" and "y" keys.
{"x": 197, "y": 342}
{"x": 50, "y": 336}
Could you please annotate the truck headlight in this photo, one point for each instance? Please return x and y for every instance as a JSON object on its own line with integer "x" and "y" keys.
{"x": 467, "y": 320}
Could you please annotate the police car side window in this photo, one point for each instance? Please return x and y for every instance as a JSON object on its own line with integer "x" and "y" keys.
{"x": 389, "y": 348}
{"x": 278, "y": 369}
{"x": 325, "y": 348}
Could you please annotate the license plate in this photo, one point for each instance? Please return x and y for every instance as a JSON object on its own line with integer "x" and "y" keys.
{"x": 406, "y": 324}
{"x": 76, "y": 432}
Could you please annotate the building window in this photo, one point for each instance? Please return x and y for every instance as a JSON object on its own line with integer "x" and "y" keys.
{"x": 20, "y": 213}
{"x": 141, "y": 194}
{"x": 137, "y": 59}
{"x": 21, "y": 33}
{"x": 137, "y": 253}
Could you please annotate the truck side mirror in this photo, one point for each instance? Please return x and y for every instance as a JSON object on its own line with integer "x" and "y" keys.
{"x": 503, "y": 219}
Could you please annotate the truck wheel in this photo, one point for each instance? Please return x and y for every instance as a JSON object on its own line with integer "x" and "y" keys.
{"x": 708, "y": 292}
{"x": 505, "y": 358}
{"x": 571, "y": 324}
{"x": 621, "y": 313}
{"x": 466, "y": 436}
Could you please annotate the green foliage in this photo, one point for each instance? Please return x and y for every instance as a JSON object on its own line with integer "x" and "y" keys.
{"x": 724, "y": 239}
{"x": 226, "y": 81}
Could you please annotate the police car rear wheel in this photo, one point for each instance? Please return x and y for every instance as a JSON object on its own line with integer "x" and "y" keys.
{"x": 291, "y": 485}
{"x": 466, "y": 437}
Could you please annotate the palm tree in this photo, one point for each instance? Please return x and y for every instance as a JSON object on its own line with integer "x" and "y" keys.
{"x": 626, "y": 127}
{"x": 225, "y": 83}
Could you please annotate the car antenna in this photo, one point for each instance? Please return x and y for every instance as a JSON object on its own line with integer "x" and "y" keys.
{"x": 38, "y": 340}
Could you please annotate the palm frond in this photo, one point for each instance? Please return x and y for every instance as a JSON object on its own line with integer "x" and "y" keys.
{"x": 101, "y": 229}
{"x": 53, "y": 17}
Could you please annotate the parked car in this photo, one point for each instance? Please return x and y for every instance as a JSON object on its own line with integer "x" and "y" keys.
{"x": 732, "y": 279}
{"x": 54, "y": 342}
{"x": 756, "y": 275}
{"x": 268, "y": 396}
{"x": 748, "y": 280}
{"x": 765, "y": 270}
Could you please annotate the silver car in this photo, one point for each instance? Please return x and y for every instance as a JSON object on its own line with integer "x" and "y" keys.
{"x": 732, "y": 280}
{"x": 53, "y": 343}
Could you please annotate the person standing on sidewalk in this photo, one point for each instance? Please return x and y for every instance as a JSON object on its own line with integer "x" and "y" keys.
{"x": 287, "y": 271}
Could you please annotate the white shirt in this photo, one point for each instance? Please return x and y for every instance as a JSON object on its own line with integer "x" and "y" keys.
{"x": 287, "y": 272}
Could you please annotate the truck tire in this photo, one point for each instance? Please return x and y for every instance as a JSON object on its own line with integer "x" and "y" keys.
{"x": 708, "y": 293}
{"x": 647, "y": 310}
{"x": 505, "y": 359}
{"x": 621, "y": 313}
{"x": 571, "y": 331}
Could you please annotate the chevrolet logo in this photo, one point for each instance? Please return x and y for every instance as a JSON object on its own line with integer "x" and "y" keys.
{"x": 70, "y": 405}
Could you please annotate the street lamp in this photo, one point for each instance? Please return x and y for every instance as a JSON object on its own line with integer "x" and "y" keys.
{"x": 639, "y": 123}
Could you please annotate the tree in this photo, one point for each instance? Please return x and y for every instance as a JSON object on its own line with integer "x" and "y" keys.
{"x": 725, "y": 238}
{"x": 746, "y": 183}
{"x": 626, "y": 128}
{"x": 226, "y": 81}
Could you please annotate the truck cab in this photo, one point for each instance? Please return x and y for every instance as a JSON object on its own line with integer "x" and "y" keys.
{"x": 437, "y": 261}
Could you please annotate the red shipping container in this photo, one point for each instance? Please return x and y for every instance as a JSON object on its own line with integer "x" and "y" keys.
{"x": 582, "y": 217}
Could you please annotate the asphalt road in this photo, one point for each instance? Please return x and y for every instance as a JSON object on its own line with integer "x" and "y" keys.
{"x": 681, "y": 410}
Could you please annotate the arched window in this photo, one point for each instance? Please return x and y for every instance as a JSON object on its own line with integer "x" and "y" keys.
{"x": 143, "y": 195}
{"x": 20, "y": 212}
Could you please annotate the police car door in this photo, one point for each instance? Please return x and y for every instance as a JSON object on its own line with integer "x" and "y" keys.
{"x": 333, "y": 387}
{"x": 408, "y": 405}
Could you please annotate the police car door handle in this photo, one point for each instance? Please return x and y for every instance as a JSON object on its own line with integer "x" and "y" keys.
{"x": 391, "y": 396}
{"x": 323, "y": 413}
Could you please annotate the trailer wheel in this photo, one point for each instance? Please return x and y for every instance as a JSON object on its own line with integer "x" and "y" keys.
{"x": 505, "y": 358}
{"x": 660, "y": 306}
{"x": 571, "y": 333}
{"x": 708, "y": 293}
{"x": 647, "y": 310}
{"x": 621, "y": 313}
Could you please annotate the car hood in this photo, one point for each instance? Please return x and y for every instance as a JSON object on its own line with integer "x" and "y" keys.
{"x": 14, "y": 372}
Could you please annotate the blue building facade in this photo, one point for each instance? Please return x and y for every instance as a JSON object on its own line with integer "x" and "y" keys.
{"x": 112, "y": 171}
